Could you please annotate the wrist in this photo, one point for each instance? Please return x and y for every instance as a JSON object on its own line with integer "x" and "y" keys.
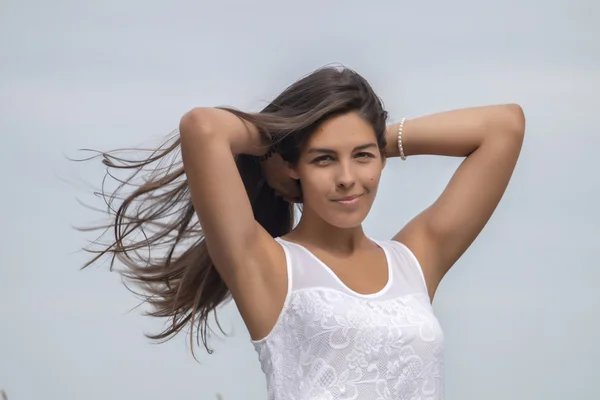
{"x": 269, "y": 153}
{"x": 392, "y": 148}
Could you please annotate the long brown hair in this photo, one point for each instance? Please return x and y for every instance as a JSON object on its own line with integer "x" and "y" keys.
{"x": 175, "y": 272}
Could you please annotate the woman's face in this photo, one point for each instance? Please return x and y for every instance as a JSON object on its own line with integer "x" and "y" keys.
{"x": 339, "y": 168}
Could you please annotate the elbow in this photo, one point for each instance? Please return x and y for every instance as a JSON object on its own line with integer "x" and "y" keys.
{"x": 514, "y": 120}
{"x": 195, "y": 122}
{"x": 505, "y": 124}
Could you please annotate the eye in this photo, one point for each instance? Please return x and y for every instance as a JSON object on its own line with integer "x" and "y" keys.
{"x": 322, "y": 159}
{"x": 364, "y": 155}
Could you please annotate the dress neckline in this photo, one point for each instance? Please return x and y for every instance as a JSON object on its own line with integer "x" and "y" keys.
{"x": 380, "y": 292}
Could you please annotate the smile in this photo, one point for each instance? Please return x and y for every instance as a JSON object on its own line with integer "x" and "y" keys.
{"x": 350, "y": 200}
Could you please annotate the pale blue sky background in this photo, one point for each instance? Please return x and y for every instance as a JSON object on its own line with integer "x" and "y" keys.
{"x": 520, "y": 309}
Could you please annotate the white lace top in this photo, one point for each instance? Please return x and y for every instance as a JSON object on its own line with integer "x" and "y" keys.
{"x": 331, "y": 343}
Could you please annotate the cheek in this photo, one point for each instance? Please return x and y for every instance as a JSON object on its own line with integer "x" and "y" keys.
{"x": 316, "y": 184}
{"x": 372, "y": 177}
{"x": 372, "y": 185}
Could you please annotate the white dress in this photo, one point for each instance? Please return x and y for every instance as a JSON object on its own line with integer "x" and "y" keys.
{"x": 332, "y": 343}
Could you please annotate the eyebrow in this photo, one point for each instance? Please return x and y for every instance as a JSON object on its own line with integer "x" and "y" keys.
{"x": 330, "y": 151}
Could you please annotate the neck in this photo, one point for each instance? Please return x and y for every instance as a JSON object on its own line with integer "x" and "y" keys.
{"x": 312, "y": 230}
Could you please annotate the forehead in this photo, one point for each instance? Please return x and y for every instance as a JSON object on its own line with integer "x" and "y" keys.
{"x": 346, "y": 130}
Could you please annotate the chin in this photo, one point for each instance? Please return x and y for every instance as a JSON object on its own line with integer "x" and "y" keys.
{"x": 346, "y": 221}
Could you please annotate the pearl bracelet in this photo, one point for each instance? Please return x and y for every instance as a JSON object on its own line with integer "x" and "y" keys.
{"x": 400, "y": 148}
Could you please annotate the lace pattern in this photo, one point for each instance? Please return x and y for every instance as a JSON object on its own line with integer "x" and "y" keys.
{"x": 330, "y": 345}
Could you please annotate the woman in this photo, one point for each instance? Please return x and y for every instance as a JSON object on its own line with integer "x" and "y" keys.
{"x": 332, "y": 313}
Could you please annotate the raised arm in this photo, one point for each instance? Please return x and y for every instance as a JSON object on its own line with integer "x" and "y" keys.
{"x": 210, "y": 138}
{"x": 490, "y": 138}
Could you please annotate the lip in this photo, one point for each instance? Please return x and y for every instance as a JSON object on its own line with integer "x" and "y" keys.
{"x": 348, "y": 199}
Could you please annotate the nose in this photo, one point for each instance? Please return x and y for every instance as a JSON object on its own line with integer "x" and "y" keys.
{"x": 345, "y": 175}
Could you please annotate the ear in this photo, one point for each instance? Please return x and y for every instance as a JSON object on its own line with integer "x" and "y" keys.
{"x": 292, "y": 172}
